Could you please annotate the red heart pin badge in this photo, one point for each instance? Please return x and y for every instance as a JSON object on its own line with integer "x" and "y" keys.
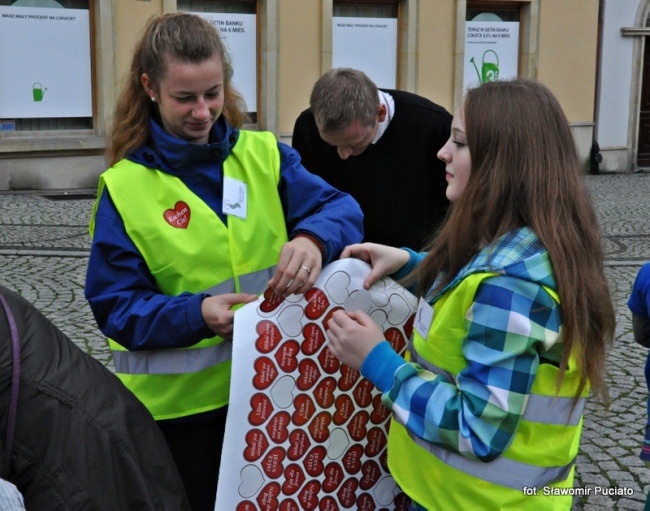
{"x": 179, "y": 216}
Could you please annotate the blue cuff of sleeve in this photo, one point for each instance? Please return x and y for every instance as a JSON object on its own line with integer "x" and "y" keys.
{"x": 414, "y": 259}
{"x": 380, "y": 366}
{"x": 194, "y": 315}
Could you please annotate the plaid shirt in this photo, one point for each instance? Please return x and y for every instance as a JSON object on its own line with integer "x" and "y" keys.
{"x": 512, "y": 325}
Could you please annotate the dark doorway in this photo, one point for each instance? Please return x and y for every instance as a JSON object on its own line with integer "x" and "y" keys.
{"x": 643, "y": 151}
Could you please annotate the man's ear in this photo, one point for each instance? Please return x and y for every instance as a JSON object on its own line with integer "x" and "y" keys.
{"x": 382, "y": 113}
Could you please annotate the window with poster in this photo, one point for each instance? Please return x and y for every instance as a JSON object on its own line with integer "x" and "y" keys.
{"x": 365, "y": 37}
{"x": 46, "y": 56}
{"x": 237, "y": 24}
{"x": 492, "y": 32}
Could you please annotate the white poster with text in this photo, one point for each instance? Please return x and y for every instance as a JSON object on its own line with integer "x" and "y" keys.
{"x": 44, "y": 63}
{"x": 491, "y": 52}
{"x": 367, "y": 44}
{"x": 239, "y": 33}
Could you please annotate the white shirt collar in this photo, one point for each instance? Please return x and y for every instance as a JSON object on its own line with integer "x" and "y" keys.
{"x": 388, "y": 101}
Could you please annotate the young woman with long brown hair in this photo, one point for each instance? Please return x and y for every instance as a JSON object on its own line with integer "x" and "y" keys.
{"x": 514, "y": 320}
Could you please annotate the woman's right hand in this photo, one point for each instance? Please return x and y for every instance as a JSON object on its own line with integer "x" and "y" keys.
{"x": 384, "y": 260}
{"x": 218, "y": 312}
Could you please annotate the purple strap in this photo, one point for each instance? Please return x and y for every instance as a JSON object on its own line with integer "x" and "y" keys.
{"x": 15, "y": 380}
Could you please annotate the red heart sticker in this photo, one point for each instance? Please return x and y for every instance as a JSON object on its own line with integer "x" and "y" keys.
{"x": 314, "y": 339}
{"x": 305, "y": 408}
{"x": 269, "y": 336}
{"x": 395, "y": 338}
{"x": 179, "y": 216}
{"x": 308, "y": 374}
{"x": 289, "y": 505}
{"x": 294, "y": 478}
{"x": 313, "y": 462}
{"x": 379, "y": 411}
{"x": 256, "y": 445}
{"x": 319, "y": 427}
{"x": 286, "y": 356}
{"x": 357, "y": 426}
{"x": 329, "y": 363}
{"x": 333, "y": 477}
{"x": 376, "y": 442}
{"x": 268, "y": 497}
{"x": 348, "y": 377}
{"x": 265, "y": 373}
{"x": 308, "y": 496}
{"x": 352, "y": 459}
{"x": 371, "y": 474}
{"x": 246, "y": 505}
{"x": 366, "y": 502}
{"x": 402, "y": 502}
{"x": 277, "y": 427}
{"x": 324, "y": 392}
{"x": 363, "y": 393}
{"x": 326, "y": 321}
{"x": 262, "y": 408}
{"x": 328, "y": 504}
{"x": 344, "y": 408}
{"x": 298, "y": 444}
{"x": 408, "y": 326}
{"x": 317, "y": 303}
{"x": 271, "y": 301}
{"x": 272, "y": 462}
{"x": 347, "y": 493}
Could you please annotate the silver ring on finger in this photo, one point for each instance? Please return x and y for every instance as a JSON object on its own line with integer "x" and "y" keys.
{"x": 308, "y": 270}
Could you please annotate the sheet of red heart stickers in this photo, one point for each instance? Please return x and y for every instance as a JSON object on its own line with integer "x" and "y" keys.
{"x": 305, "y": 432}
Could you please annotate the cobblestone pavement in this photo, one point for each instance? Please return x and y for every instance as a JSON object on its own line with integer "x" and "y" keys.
{"x": 44, "y": 246}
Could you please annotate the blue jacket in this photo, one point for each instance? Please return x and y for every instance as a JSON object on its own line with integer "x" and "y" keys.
{"x": 121, "y": 292}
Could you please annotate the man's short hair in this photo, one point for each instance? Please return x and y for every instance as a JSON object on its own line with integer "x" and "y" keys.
{"x": 341, "y": 96}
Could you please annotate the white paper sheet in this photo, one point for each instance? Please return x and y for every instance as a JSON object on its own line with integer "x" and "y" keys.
{"x": 305, "y": 432}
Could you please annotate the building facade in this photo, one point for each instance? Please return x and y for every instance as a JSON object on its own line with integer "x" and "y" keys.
{"x": 58, "y": 92}
{"x": 623, "y": 99}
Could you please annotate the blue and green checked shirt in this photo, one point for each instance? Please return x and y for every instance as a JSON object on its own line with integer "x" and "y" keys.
{"x": 512, "y": 324}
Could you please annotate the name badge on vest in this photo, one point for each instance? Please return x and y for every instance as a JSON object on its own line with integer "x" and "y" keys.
{"x": 235, "y": 197}
{"x": 423, "y": 318}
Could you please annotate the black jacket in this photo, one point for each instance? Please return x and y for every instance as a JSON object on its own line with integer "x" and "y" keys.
{"x": 82, "y": 440}
{"x": 399, "y": 182}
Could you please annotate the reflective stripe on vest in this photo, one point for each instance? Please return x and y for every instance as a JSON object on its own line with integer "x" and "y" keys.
{"x": 189, "y": 360}
{"x": 546, "y": 409}
{"x": 504, "y": 471}
{"x": 171, "y": 361}
{"x": 250, "y": 283}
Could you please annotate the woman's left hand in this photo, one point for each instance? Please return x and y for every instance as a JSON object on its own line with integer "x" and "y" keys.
{"x": 298, "y": 268}
{"x": 352, "y": 335}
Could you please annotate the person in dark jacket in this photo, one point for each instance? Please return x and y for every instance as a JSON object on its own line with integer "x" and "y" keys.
{"x": 379, "y": 146}
{"x": 81, "y": 440}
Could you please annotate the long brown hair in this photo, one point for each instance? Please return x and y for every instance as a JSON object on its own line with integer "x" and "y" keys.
{"x": 175, "y": 36}
{"x": 526, "y": 172}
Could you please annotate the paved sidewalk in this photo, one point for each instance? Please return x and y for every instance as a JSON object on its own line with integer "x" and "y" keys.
{"x": 44, "y": 247}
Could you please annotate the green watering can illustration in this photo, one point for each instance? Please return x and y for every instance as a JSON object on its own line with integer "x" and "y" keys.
{"x": 489, "y": 70}
{"x": 38, "y": 91}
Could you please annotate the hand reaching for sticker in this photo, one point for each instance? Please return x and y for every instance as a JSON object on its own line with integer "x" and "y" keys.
{"x": 218, "y": 311}
{"x": 298, "y": 268}
{"x": 352, "y": 335}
